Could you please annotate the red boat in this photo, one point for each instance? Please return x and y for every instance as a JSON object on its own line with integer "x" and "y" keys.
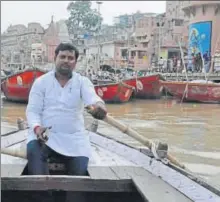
{"x": 193, "y": 91}
{"x": 114, "y": 92}
{"x": 147, "y": 87}
{"x": 16, "y": 87}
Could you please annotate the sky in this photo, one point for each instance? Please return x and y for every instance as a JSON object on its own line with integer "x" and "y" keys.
{"x": 23, "y": 12}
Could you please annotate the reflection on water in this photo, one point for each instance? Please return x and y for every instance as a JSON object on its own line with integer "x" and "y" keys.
{"x": 191, "y": 130}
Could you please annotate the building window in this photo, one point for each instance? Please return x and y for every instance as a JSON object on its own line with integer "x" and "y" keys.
{"x": 133, "y": 53}
{"x": 217, "y": 9}
{"x": 193, "y": 12}
{"x": 141, "y": 54}
{"x": 145, "y": 45}
{"x": 203, "y": 9}
{"x": 178, "y": 22}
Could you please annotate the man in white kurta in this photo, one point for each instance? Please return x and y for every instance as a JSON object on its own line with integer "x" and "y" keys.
{"x": 57, "y": 102}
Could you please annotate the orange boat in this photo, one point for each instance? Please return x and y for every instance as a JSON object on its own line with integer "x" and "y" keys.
{"x": 114, "y": 92}
{"x": 147, "y": 87}
{"x": 16, "y": 87}
{"x": 193, "y": 91}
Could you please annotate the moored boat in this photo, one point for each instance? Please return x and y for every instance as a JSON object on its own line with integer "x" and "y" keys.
{"x": 116, "y": 172}
{"x": 147, "y": 87}
{"x": 194, "y": 91}
{"x": 114, "y": 92}
{"x": 16, "y": 87}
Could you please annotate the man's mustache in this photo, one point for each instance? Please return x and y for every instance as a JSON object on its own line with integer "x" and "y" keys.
{"x": 65, "y": 66}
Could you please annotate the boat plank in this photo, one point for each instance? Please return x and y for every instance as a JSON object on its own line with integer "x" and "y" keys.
{"x": 127, "y": 172}
{"x": 101, "y": 172}
{"x": 7, "y": 129}
{"x": 12, "y": 166}
{"x": 11, "y": 170}
{"x": 65, "y": 183}
{"x": 14, "y": 138}
{"x": 148, "y": 188}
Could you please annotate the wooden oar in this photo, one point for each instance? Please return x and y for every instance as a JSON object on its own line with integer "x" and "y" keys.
{"x": 132, "y": 133}
{"x": 19, "y": 152}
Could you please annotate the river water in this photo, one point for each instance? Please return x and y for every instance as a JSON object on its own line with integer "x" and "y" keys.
{"x": 192, "y": 131}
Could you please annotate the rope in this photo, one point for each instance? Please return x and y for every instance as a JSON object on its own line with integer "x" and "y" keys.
{"x": 185, "y": 93}
{"x": 154, "y": 147}
{"x": 136, "y": 81}
{"x": 154, "y": 150}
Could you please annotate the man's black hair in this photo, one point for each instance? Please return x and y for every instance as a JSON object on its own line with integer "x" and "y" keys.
{"x": 66, "y": 46}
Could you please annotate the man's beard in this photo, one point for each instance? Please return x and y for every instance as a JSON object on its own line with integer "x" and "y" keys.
{"x": 64, "y": 71}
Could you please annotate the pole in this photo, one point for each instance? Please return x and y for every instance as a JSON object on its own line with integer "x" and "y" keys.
{"x": 159, "y": 41}
{"x": 99, "y": 28}
{"x": 182, "y": 58}
{"x": 128, "y": 44}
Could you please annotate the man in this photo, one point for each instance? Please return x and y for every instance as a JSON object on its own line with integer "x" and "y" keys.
{"x": 161, "y": 64}
{"x": 56, "y": 100}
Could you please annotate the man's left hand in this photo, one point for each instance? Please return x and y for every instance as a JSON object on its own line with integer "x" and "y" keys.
{"x": 99, "y": 111}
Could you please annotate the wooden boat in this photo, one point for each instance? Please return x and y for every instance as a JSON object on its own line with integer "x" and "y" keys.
{"x": 16, "y": 87}
{"x": 114, "y": 92}
{"x": 193, "y": 91}
{"x": 147, "y": 87}
{"x": 117, "y": 172}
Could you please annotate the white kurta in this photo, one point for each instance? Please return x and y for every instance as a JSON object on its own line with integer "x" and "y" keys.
{"x": 62, "y": 108}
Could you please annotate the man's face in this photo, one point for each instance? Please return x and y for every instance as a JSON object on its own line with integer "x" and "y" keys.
{"x": 65, "y": 62}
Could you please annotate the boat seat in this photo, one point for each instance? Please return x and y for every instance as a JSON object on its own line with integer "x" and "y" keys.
{"x": 56, "y": 164}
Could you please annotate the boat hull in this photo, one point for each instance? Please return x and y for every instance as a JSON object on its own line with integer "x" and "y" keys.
{"x": 117, "y": 172}
{"x": 115, "y": 92}
{"x": 146, "y": 87}
{"x": 193, "y": 92}
{"x": 16, "y": 87}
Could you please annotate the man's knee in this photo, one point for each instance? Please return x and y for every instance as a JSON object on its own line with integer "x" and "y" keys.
{"x": 37, "y": 158}
{"x": 35, "y": 151}
{"x": 78, "y": 165}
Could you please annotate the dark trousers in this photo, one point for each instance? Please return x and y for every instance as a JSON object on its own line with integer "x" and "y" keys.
{"x": 38, "y": 154}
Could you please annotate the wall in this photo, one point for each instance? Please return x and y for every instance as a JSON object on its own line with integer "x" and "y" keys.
{"x": 107, "y": 48}
{"x": 209, "y": 15}
{"x": 35, "y": 27}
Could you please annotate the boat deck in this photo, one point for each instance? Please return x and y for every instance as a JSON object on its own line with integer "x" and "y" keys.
{"x": 116, "y": 172}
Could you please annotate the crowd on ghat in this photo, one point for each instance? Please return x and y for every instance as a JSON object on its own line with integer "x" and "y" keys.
{"x": 193, "y": 63}
{"x": 106, "y": 75}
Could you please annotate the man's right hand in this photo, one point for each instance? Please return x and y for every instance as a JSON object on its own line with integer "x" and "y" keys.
{"x": 40, "y": 133}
